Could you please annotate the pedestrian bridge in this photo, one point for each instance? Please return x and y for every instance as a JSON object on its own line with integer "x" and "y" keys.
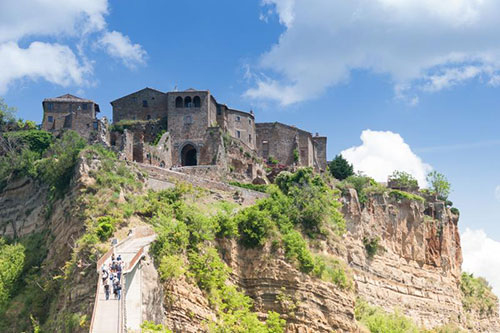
{"x": 123, "y": 315}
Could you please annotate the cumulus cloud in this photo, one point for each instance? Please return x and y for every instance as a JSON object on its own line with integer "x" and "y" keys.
{"x": 381, "y": 153}
{"x": 72, "y": 23}
{"x": 423, "y": 45}
{"x": 53, "y": 62}
{"x": 480, "y": 256}
{"x": 119, "y": 46}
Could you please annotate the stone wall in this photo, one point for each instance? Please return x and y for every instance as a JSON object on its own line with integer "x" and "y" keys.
{"x": 144, "y": 104}
{"x": 74, "y": 115}
{"x": 160, "y": 154}
{"x": 320, "y": 150}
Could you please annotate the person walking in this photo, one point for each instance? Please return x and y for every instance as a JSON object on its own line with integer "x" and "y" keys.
{"x": 117, "y": 289}
{"x": 106, "y": 289}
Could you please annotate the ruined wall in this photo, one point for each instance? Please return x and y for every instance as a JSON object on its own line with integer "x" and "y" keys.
{"x": 242, "y": 123}
{"x": 320, "y": 151}
{"x": 144, "y": 104}
{"x": 160, "y": 154}
{"x": 281, "y": 141}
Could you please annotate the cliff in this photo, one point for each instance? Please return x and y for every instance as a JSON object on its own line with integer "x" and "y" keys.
{"x": 401, "y": 253}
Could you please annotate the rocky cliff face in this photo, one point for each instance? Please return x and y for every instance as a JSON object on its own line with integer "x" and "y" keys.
{"x": 417, "y": 266}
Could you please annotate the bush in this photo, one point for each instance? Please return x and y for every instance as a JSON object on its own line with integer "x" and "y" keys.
{"x": 57, "y": 169}
{"x": 455, "y": 211}
{"x": 253, "y": 187}
{"x": 296, "y": 156}
{"x": 360, "y": 183}
{"x": 379, "y": 321}
{"x": 340, "y": 168}
{"x": 151, "y": 327}
{"x": 171, "y": 267}
{"x": 371, "y": 246}
{"x": 35, "y": 140}
{"x": 272, "y": 160}
{"x": 254, "y": 226}
{"x": 402, "y": 195}
{"x": 403, "y": 179}
{"x": 105, "y": 227}
{"x": 477, "y": 295}
{"x": 11, "y": 265}
{"x": 296, "y": 249}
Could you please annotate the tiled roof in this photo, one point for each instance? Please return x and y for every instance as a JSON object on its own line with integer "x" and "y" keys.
{"x": 68, "y": 98}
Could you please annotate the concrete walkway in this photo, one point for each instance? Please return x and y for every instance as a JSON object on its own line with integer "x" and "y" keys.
{"x": 109, "y": 313}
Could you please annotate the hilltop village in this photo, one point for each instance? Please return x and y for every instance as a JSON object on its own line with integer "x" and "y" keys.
{"x": 188, "y": 131}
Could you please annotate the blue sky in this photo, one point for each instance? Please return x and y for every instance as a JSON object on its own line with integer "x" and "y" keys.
{"x": 422, "y": 76}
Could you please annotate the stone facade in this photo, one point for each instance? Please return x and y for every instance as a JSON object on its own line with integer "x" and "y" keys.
{"x": 70, "y": 112}
{"x": 290, "y": 145}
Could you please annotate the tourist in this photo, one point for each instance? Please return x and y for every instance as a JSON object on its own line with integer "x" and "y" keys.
{"x": 106, "y": 289}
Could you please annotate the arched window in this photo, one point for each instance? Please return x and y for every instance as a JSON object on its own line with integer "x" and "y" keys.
{"x": 178, "y": 102}
{"x": 148, "y": 117}
{"x": 197, "y": 101}
{"x": 188, "y": 102}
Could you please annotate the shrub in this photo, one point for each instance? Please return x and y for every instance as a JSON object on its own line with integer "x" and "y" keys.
{"x": 455, "y": 210}
{"x": 57, "y": 169}
{"x": 439, "y": 184}
{"x": 35, "y": 140}
{"x": 171, "y": 267}
{"x": 477, "y": 295}
{"x": 377, "y": 320}
{"x": 11, "y": 265}
{"x": 360, "y": 182}
{"x": 340, "y": 168}
{"x": 371, "y": 245}
{"x": 151, "y": 327}
{"x": 253, "y": 187}
{"x": 272, "y": 160}
{"x": 158, "y": 137}
{"x": 332, "y": 270}
{"x": 403, "y": 179}
{"x": 295, "y": 155}
{"x": 402, "y": 195}
{"x": 254, "y": 226}
{"x": 296, "y": 249}
{"x": 105, "y": 227}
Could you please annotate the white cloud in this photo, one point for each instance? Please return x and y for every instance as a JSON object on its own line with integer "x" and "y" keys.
{"x": 72, "y": 23}
{"x": 119, "y": 46}
{"x": 381, "y": 153}
{"x": 497, "y": 192}
{"x": 481, "y": 256}
{"x": 425, "y": 45}
{"x": 53, "y": 62}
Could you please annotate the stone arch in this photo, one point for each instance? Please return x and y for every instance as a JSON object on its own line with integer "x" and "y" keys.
{"x": 189, "y": 155}
{"x": 197, "y": 101}
{"x": 179, "y": 102}
{"x": 162, "y": 164}
{"x": 188, "y": 102}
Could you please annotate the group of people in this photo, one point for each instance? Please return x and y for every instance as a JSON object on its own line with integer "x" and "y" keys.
{"x": 111, "y": 276}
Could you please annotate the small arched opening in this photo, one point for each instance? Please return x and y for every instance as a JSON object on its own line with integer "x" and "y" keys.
{"x": 188, "y": 102}
{"x": 178, "y": 102}
{"x": 188, "y": 155}
{"x": 197, "y": 101}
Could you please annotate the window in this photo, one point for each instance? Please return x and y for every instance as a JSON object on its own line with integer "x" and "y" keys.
{"x": 50, "y": 106}
{"x": 144, "y": 103}
{"x": 238, "y": 134}
{"x": 238, "y": 118}
{"x": 197, "y": 101}
{"x": 178, "y": 102}
{"x": 50, "y": 119}
{"x": 95, "y": 125}
{"x": 250, "y": 138}
{"x": 249, "y": 121}
{"x": 188, "y": 102}
{"x": 84, "y": 106}
{"x": 148, "y": 117}
{"x": 188, "y": 120}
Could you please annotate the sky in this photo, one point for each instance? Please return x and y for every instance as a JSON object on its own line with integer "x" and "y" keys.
{"x": 411, "y": 85}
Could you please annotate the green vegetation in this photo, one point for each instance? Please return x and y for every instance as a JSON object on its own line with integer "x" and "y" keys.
{"x": 340, "y": 168}
{"x": 363, "y": 186}
{"x": 122, "y": 125}
{"x": 296, "y": 156}
{"x": 7, "y": 113}
{"x": 477, "y": 295}
{"x": 402, "y": 195}
{"x": 377, "y": 320}
{"x": 158, "y": 137}
{"x": 35, "y": 140}
{"x": 439, "y": 184}
{"x": 151, "y": 327}
{"x": 272, "y": 160}
{"x": 254, "y": 187}
{"x": 455, "y": 210}
{"x": 11, "y": 266}
{"x": 371, "y": 245}
{"x": 403, "y": 179}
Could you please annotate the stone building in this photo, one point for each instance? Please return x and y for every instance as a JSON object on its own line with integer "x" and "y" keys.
{"x": 70, "y": 112}
{"x": 190, "y": 130}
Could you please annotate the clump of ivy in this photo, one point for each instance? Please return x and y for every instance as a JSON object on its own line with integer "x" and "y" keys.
{"x": 371, "y": 246}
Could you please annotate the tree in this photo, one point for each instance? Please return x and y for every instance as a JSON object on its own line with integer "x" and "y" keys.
{"x": 340, "y": 168}
{"x": 439, "y": 184}
{"x": 403, "y": 179}
{"x": 6, "y": 113}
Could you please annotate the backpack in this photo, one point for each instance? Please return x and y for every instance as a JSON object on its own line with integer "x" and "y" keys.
{"x": 105, "y": 275}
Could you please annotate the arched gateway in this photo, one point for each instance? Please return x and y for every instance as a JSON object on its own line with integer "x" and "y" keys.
{"x": 188, "y": 155}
